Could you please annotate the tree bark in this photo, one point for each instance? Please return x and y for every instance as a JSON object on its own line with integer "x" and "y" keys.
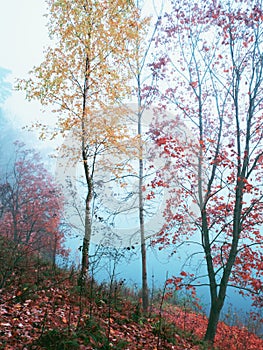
{"x": 86, "y": 243}
{"x": 216, "y": 307}
{"x": 87, "y": 229}
{"x": 145, "y": 297}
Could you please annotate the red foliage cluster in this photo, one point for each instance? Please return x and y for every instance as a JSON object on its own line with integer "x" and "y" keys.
{"x": 31, "y": 205}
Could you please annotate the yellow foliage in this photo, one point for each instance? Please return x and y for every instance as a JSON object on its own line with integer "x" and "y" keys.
{"x": 84, "y": 74}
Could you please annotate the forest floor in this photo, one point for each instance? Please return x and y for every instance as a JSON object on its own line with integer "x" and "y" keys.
{"x": 44, "y": 308}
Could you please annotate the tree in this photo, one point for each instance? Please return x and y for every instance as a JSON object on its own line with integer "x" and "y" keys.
{"x": 31, "y": 209}
{"x": 212, "y": 62}
{"x": 83, "y": 75}
{"x": 140, "y": 72}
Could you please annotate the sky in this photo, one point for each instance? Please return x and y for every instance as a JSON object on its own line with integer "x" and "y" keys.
{"x": 23, "y": 33}
{"x": 23, "y": 36}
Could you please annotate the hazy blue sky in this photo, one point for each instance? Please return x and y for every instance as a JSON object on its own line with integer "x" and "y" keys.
{"x": 22, "y": 36}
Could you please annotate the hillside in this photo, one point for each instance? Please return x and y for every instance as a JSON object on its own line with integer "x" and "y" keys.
{"x": 43, "y": 308}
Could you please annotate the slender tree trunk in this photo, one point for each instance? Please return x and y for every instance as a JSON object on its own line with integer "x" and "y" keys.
{"x": 54, "y": 252}
{"x": 86, "y": 242}
{"x": 145, "y": 297}
{"x": 87, "y": 233}
{"x": 15, "y": 237}
{"x": 87, "y": 229}
{"x": 145, "y": 294}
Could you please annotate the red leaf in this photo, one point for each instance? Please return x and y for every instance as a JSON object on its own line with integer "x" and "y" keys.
{"x": 194, "y": 84}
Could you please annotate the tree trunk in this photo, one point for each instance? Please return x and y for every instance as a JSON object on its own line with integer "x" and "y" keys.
{"x": 145, "y": 296}
{"x": 86, "y": 243}
{"x": 218, "y": 301}
{"x": 15, "y": 237}
{"x": 213, "y": 319}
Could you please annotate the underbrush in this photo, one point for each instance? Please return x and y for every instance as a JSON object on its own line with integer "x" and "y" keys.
{"x": 43, "y": 307}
